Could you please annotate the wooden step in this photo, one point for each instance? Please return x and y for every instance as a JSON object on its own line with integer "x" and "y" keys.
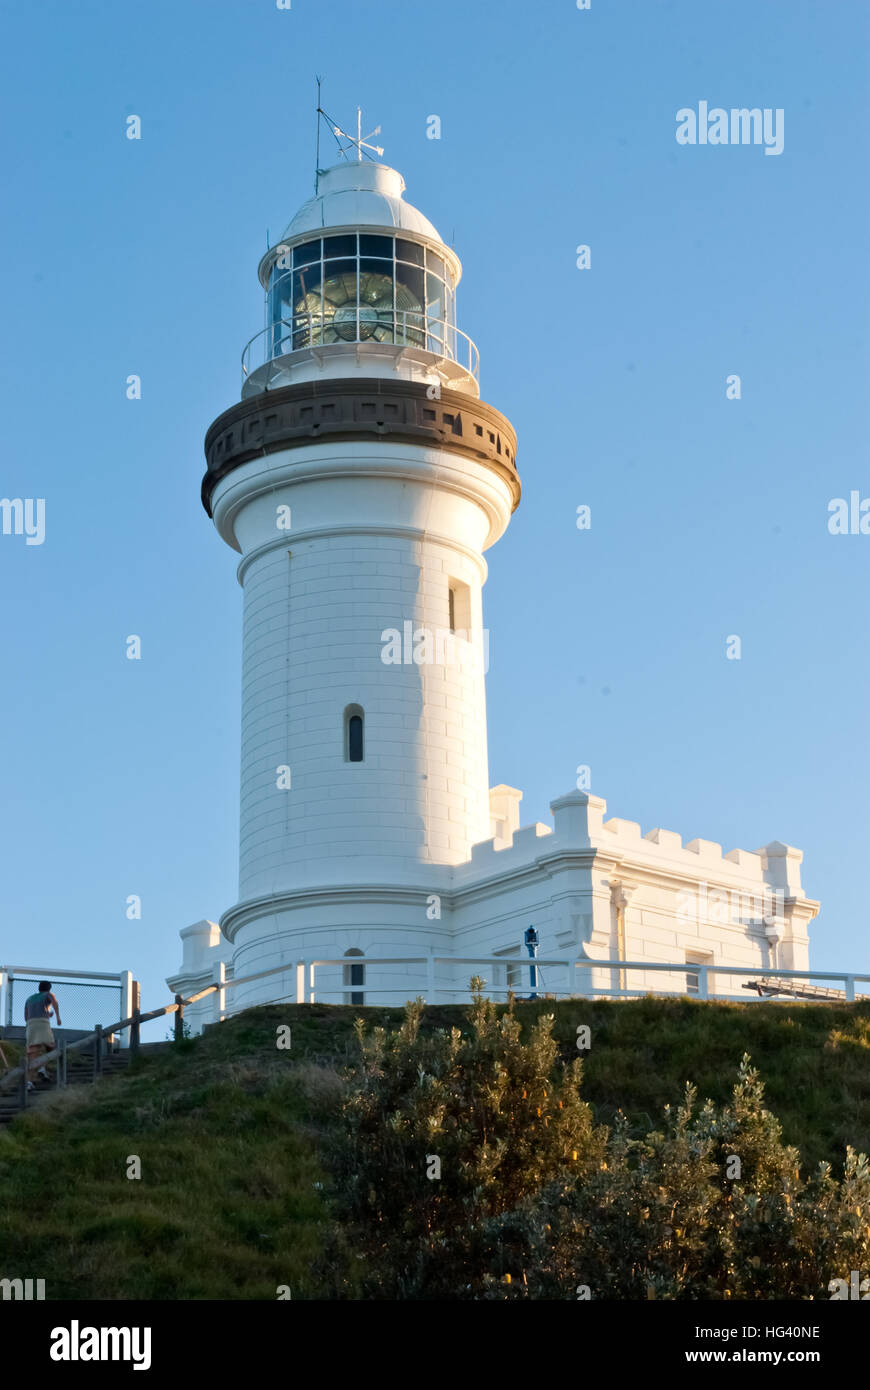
{"x": 80, "y": 1072}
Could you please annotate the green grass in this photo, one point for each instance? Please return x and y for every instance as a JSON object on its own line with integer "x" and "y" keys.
{"x": 13, "y": 1052}
{"x": 231, "y": 1132}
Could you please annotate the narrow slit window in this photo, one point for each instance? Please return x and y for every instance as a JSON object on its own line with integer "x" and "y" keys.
{"x": 459, "y": 608}
{"x": 354, "y": 734}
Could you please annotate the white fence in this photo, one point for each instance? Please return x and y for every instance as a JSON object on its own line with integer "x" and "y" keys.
{"x": 545, "y": 977}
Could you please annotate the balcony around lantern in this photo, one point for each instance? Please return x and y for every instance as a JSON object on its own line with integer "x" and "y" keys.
{"x": 352, "y": 301}
{"x": 356, "y": 334}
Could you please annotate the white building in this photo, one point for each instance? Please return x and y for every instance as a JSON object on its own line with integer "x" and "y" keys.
{"x": 361, "y": 479}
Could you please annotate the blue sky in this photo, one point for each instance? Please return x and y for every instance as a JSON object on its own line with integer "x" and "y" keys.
{"x": 709, "y": 516}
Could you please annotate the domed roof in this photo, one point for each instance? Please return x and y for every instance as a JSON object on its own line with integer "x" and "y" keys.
{"x": 359, "y": 194}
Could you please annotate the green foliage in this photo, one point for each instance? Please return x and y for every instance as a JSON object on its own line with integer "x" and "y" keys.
{"x": 234, "y": 1137}
{"x": 501, "y": 1117}
{"x": 665, "y": 1220}
{"x": 535, "y": 1201}
{"x": 186, "y": 1036}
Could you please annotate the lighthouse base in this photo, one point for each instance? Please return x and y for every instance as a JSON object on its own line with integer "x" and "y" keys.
{"x": 594, "y": 890}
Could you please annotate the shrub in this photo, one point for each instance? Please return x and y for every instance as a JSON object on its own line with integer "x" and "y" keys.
{"x": 663, "y": 1218}
{"x": 495, "y": 1117}
{"x": 467, "y": 1166}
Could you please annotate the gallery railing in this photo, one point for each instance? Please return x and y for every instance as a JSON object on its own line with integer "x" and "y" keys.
{"x": 360, "y": 324}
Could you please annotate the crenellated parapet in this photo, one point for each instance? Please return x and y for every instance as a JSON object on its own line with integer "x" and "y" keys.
{"x": 579, "y": 824}
{"x": 579, "y": 819}
{"x": 613, "y": 888}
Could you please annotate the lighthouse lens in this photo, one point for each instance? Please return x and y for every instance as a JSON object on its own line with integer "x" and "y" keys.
{"x": 376, "y": 300}
{"x": 306, "y": 311}
{"x": 340, "y": 303}
{"x": 344, "y": 322}
{"x": 357, "y": 310}
{"x": 338, "y": 296}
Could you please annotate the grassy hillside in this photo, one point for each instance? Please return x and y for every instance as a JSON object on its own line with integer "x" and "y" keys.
{"x": 233, "y": 1202}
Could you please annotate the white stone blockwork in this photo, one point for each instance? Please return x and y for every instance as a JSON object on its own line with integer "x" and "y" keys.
{"x": 332, "y": 610}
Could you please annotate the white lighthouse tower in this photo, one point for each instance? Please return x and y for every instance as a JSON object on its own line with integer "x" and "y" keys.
{"x": 361, "y": 479}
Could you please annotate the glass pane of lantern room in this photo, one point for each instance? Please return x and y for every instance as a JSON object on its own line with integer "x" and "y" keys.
{"x": 450, "y": 330}
{"x": 339, "y": 246}
{"x": 307, "y": 306}
{"x": 376, "y": 299}
{"x": 410, "y": 310}
{"x": 308, "y": 252}
{"x": 280, "y": 309}
{"x": 436, "y": 313}
{"x": 435, "y": 264}
{"x": 340, "y": 301}
{"x": 380, "y": 272}
{"x": 381, "y": 246}
{"x": 409, "y": 251}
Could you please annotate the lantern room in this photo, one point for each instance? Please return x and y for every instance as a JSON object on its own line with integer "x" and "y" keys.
{"x": 360, "y": 279}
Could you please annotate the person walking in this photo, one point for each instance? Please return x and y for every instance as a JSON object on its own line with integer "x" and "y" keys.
{"x": 39, "y": 1038}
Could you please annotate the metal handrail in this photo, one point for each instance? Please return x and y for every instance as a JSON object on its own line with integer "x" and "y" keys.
{"x": 66, "y": 974}
{"x": 308, "y": 967}
{"x": 702, "y": 969}
{"x": 408, "y": 329}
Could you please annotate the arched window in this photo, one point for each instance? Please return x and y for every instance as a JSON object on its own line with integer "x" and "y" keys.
{"x": 354, "y": 975}
{"x": 354, "y": 742}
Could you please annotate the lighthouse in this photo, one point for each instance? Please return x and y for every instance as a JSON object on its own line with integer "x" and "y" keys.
{"x": 361, "y": 480}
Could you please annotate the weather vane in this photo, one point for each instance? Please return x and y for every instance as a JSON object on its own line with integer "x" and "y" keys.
{"x": 361, "y": 141}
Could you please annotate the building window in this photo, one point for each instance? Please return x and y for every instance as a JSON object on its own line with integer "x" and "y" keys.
{"x": 354, "y": 975}
{"x": 511, "y": 972}
{"x": 693, "y": 978}
{"x": 354, "y": 734}
{"x": 355, "y": 739}
{"x": 459, "y": 607}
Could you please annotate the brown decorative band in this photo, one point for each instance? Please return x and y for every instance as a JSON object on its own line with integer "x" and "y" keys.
{"x": 356, "y": 409}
